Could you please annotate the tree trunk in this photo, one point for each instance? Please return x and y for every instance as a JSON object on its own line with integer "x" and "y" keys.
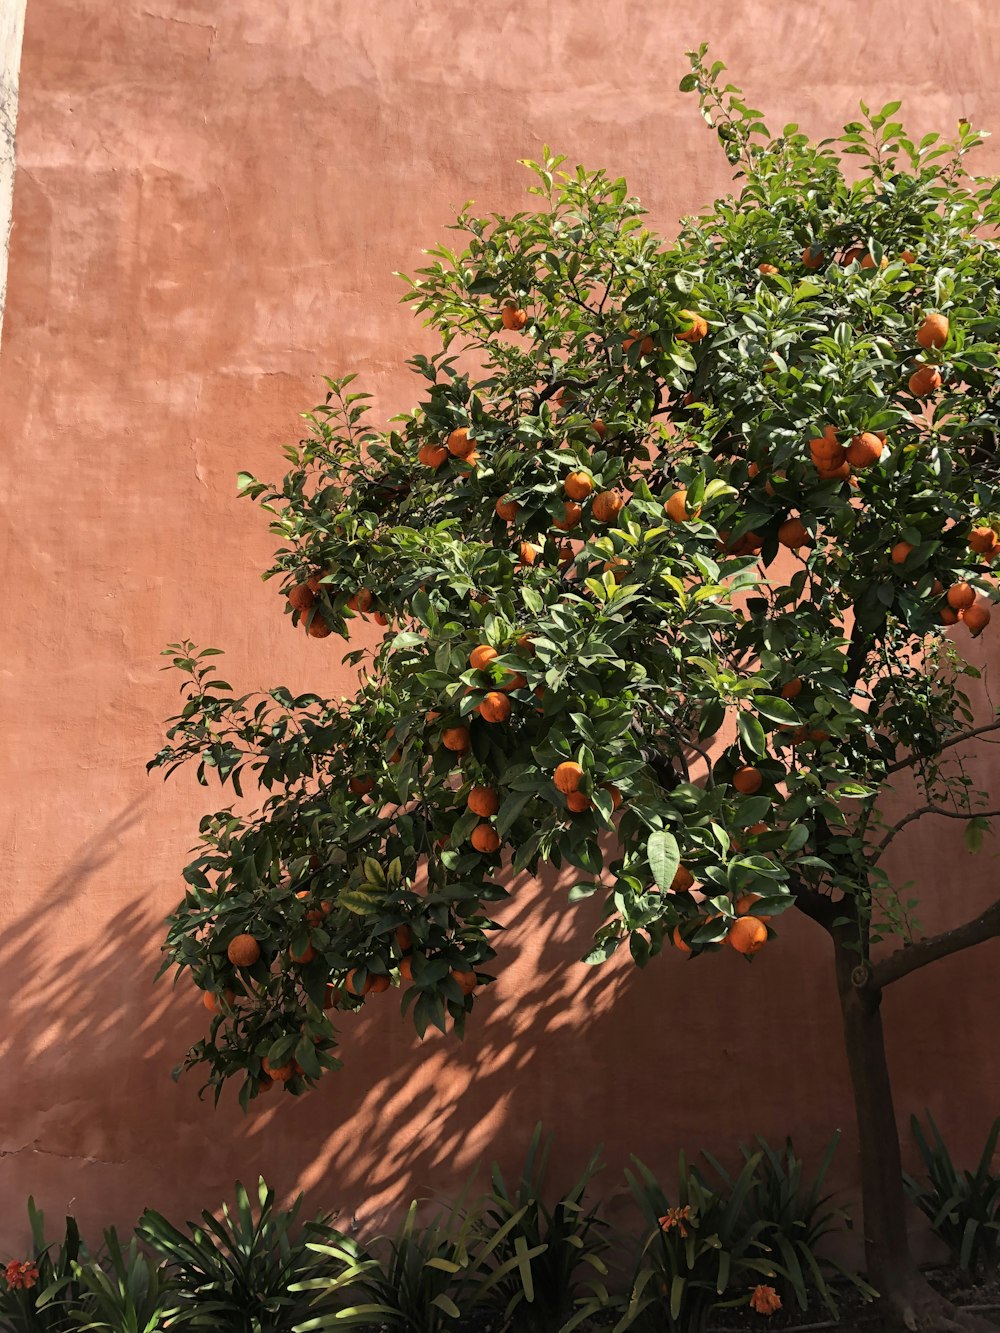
{"x": 908, "y": 1300}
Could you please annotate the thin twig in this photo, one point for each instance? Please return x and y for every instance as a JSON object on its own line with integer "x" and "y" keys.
{"x": 934, "y": 810}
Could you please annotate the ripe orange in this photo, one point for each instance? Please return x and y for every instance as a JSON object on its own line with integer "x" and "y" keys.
{"x": 528, "y": 553}
{"x": 744, "y": 903}
{"x": 572, "y": 513}
{"x": 432, "y": 455}
{"x": 495, "y": 707}
{"x": 459, "y": 444}
{"x": 677, "y": 507}
{"x": 982, "y": 539}
{"x": 318, "y": 627}
{"x": 747, "y": 780}
{"x": 697, "y": 327}
{"x": 933, "y": 332}
{"x": 406, "y": 967}
{"x": 306, "y": 956}
{"x": 747, "y": 935}
{"x": 908, "y": 257}
{"x": 791, "y": 688}
{"x": 793, "y": 534}
{"x": 618, "y": 568}
{"x": 812, "y": 257}
{"x": 900, "y": 552}
{"x": 947, "y": 616}
{"x": 567, "y": 777}
{"x": 455, "y": 739}
{"x": 481, "y": 657}
{"x": 599, "y": 428}
{"x": 864, "y": 450}
{"x": 868, "y": 262}
{"x": 514, "y": 680}
{"x": 211, "y": 1001}
{"x": 380, "y": 618}
{"x": 839, "y": 473}
{"x": 279, "y": 1073}
{"x": 578, "y": 802}
{"x": 923, "y": 382}
{"x": 827, "y": 451}
{"x": 767, "y": 269}
{"x": 960, "y": 595}
{"x": 645, "y": 342}
{"x": 525, "y": 644}
{"x": 467, "y": 981}
{"x": 243, "y": 951}
{"x": 607, "y": 506}
{"x": 513, "y": 317}
{"x": 682, "y": 880}
{"x": 301, "y": 597}
{"x": 852, "y": 255}
{"x": 363, "y": 600}
{"x": 483, "y": 801}
{"x": 679, "y": 941}
{"x": 360, "y": 786}
{"x": 507, "y": 508}
{"x": 403, "y": 936}
{"x": 379, "y": 984}
{"x": 354, "y": 987}
{"x": 485, "y": 839}
{"x": 615, "y": 794}
{"x": 976, "y": 618}
{"x": 578, "y": 485}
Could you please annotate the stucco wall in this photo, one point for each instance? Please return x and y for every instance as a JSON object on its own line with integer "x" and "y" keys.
{"x": 210, "y": 202}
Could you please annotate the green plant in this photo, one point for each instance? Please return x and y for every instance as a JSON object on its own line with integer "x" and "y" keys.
{"x": 794, "y": 1218}
{"x": 432, "y": 1273}
{"x": 711, "y": 668}
{"x": 38, "y": 1295}
{"x": 963, "y": 1207}
{"x": 239, "y": 1274}
{"x": 124, "y": 1292}
{"x": 565, "y": 1236}
{"x": 700, "y": 1255}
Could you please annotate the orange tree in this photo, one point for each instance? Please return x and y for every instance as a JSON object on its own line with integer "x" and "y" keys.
{"x": 664, "y": 555}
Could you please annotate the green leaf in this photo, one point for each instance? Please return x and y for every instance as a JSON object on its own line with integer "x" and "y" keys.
{"x": 752, "y": 736}
{"x": 664, "y": 857}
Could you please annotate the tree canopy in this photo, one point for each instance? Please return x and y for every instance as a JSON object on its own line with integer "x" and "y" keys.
{"x": 665, "y": 554}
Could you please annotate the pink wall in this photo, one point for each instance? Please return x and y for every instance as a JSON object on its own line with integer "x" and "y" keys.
{"x": 210, "y": 202}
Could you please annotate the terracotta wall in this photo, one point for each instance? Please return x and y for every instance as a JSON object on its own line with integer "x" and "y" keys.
{"x": 210, "y": 201}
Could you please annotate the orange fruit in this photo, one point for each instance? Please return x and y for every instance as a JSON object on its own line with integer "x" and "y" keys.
{"x": 960, "y": 595}
{"x": 380, "y": 618}
{"x": 682, "y": 880}
{"x": 403, "y": 936}
{"x": 679, "y": 941}
{"x": 572, "y": 513}
{"x": 607, "y": 506}
{"x": 432, "y": 455}
{"x": 598, "y": 427}
{"x": 793, "y": 534}
{"x": 924, "y": 381}
{"x": 826, "y": 450}
{"x": 908, "y": 257}
{"x": 697, "y": 327}
{"x": 747, "y": 935}
{"x": 495, "y": 707}
{"x": 455, "y": 739}
{"x": 525, "y": 644}
{"x": 578, "y": 802}
{"x": 933, "y": 332}
{"x": 306, "y": 956}
{"x": 467, "y": 981}
{"x": 982, "y": 540}
{"x": 747, "y": 780}
{"x": 645, "y": 342}
{"x": 459, "y": 444}
{"x": 360, "y": 786}
{"x": 864, "y": 450}
{"x": 852, "y": 255}
{"x": 378, "y": 985}
{"x": 839, "y": 473}
{"x": 900, "y": 552}
{"x": 363, "y": 600}
{"x": 744, "y": 903}
{"x": 614, "y": 793}
{"x": 301, "y": 597}
{"x": 677, "y": 507}
{"x": 280, "y": 1073}
{"x": 618, "y": 568}
{"x": 507, "y": 508}
{"x": 483, "y": 801}
{"x": 812, "y": 257}
{"x": 578, "y": 485}
{"x": 976, "y": 618}
{"x": 318, "y": 627}
{"x": 567, "y": 777}
{"x": 243, "y": 951}
{"x": 791, "y": 688}
{"x": 868, "y": 262}
{"x": 481, "y": 656}
{"x": 528, "y": 553}
{"x": 211, "y": 1001}
{"x": 354, "y": 987}
{"x": 485, "y": 839}
{"x": 513, "y": 317}
{"x": 767, "y": 269}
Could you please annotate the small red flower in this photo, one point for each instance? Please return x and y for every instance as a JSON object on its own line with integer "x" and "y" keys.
{"x": 676, "y": 1217}
{"x": 765, "y": 1300}
{"x": 21, "y": 1274}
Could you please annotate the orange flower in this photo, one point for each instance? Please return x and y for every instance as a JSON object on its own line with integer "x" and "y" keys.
{"x": 21, "y": 1274}
{"x": 765, "y": 1300}
{"x": 676, "y": 1217}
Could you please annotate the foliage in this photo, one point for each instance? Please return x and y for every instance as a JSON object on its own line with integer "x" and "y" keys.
{"x": 792, "y": 1218}
{"x": 700, "y": 1254}
{"x": 126, "y": 1292}
{"x": 735, "y": 716}
{"x": 544, "y": 1295}
{"x": 963, "y": 1207}
{"x": 239, "y": 1274}
{"x": 42, "y": 1296}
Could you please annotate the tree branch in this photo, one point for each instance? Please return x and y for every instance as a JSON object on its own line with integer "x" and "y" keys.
{"x": 945, "y": 745}
{"x": 913, "y": 956}
{"x": 815, "y": 905}
{"x": 934, "y": 810}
